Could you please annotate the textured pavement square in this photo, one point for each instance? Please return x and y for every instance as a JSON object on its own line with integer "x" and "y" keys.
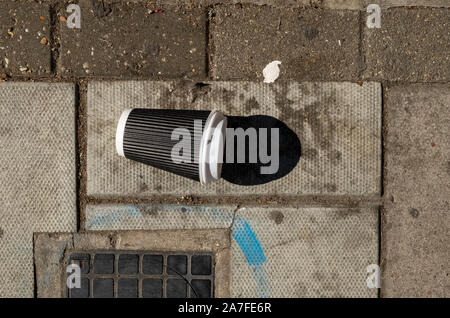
{"x": 276, "y": 252}
{"x": 37, "y": 175}
{"x": 338, "y": 124}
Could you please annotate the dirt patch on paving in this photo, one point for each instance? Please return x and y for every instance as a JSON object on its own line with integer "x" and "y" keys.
{"x": 247, "y": 200}
{"x": 81, "y": 151}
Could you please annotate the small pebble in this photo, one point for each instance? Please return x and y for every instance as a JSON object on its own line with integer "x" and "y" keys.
{"x": 44, "y": 41}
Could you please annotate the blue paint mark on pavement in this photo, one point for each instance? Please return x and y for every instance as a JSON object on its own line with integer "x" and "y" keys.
{"x": 250, "y": 246}
{"x": 253, "y": 252}
{"x": 243, "y": 234}
{"x": 245, "y": 237}
{"x": 113, "y": 216}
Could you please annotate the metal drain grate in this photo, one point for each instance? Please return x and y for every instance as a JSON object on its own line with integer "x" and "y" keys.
{"x": 147, "y": 274}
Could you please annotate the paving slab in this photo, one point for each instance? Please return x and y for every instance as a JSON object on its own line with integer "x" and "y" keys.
{"x": 37, "y": 175}
{"x": 416, "y": 223}
{"x": 276, "y": 252}
{"x": 133, "y": 40}
{"x": 24, "y": 39}
{"x": 311, "y": 44}
{"x": 415, "y": 50}
{"x": 338, "y": 124}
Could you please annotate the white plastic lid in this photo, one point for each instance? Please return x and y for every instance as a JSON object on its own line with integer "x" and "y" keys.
{"x": 121, "y": 130}
{"x": 211, "y": 147}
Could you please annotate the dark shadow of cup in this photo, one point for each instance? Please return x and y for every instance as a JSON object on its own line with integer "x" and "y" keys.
{"x": 252, "y": 173}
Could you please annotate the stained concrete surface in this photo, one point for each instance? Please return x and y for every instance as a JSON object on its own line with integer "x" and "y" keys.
{"x": 338, "y": 124}
{"x": 416, "y": 223}
{"x": 37, "y": 175}
{"x": 24, "y": 39}
{"x": 307, "y": 252}
{"x": 312, "y": 44}
{"x": 131, "y": 39}
{"x": 276, "y": 251}
{"x": 412, "y": 45}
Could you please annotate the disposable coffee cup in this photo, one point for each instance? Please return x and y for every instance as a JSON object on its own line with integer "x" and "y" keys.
{"x": 189, "y": 143}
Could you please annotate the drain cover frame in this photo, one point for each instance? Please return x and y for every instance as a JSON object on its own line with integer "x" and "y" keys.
{"x": 168, "y": 274}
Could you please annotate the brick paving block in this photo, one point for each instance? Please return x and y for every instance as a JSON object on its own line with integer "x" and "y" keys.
{"x": 413, "y": 44}
{"x": 279, "y": 3}
{"x": 362, "y": 4}
{"x": 416, "y": 223}
{"x": 312, "y": 44}
{"x": 276, "y": 252}
{"x": 338, "y": 125}
{"x": 331, "y": 4}
{"x": 131, "y": 39}
{"x": 407, "y": 3}
{"x": 37, "y": 175}
{"x": 24, "y": 39}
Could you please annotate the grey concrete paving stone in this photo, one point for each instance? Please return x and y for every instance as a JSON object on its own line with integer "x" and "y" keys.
{"x": 338, "y": 124}
{"x": 416, "y": 224}
{"x": 24, "y": 39}
{"x": 129, "y": 39}
{"x": 304, "y": 252}
{"x": 312, "y": 44}
{"x": 37, "y": 174}
{"x": 413, "y": 44}
{"x": 276, "y": 252}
